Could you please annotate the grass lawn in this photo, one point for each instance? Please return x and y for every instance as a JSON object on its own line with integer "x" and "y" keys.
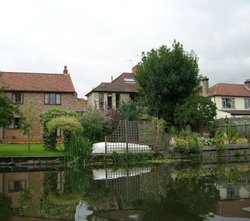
{"x": 22, "y": 150}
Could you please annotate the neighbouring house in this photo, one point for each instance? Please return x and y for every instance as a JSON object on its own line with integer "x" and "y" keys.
{"x": 110, "y": 95}
{"x": 42, "y": 91}
{"x": 232, "y": 100}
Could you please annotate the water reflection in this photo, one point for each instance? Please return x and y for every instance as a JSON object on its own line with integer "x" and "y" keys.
{"x": 215, "y": 192}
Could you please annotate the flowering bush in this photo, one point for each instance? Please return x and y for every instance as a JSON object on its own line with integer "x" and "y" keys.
{"x": 189, "y": 145}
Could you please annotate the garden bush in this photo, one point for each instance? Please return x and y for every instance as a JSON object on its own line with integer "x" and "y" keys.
{"x": 96, "y": 126}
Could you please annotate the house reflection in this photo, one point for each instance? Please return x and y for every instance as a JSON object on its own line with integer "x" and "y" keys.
{"x": 13, "y": 184}
{"x": 124, "y": 185}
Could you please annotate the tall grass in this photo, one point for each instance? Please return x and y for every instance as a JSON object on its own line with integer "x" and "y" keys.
{"x": 78, "y": 150}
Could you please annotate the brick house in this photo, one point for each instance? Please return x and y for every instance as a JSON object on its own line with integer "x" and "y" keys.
{"x": 110, "y": 94}
{"x": 41, "y": 90}
{"x": 232, "y": 100}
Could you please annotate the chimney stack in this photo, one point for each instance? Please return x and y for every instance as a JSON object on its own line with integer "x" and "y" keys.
{"x": 65, "y": 70}
{"x": 247, "y": 84}
{"x": 205, "y": 85}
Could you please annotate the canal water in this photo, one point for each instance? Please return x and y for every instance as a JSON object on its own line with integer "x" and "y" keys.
{"x": 213, "y": 192}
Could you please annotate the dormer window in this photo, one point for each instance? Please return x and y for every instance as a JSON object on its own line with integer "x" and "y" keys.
{"x": 17, "y": 98}
{"x": 129, "y": 80}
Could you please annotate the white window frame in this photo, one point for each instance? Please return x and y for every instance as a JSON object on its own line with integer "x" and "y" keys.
{"x": 228, "y": 102}
{"x": 247, "y": 102}
{"x": 17, "y": 97}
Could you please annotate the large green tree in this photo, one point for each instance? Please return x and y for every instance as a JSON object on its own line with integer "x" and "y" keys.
{"x": 196, "y": 112}
{"x": 165, "y": 77}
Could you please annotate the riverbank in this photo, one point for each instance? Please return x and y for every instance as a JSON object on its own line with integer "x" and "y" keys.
{"x": 18, "y": 156}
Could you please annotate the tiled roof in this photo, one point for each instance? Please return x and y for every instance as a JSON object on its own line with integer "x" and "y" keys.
{"x": 36, "y": 82}
{"x": 125, "y": 83}
{"x": 235, "y": 90}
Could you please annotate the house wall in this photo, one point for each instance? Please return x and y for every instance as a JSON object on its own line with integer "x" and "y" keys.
{"x": 93, "y": 99}
{"x": 33, "y": 181}
{"x": 68, "y": 102}
{"x": 239, "y": 105}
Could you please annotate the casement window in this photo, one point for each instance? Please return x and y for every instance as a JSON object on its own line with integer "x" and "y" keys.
{"x": 52, "y": 98}
{"x": 16, "y": 186}
{"x": 16, "y": 123}
{"x": 228, "y": 103}
{"x": 247, "y": 103}
{"x": 117, "y": 100}
{"x": 101, "y": 100}
{"x": 110, "y": 101}
{"x": 17, "y": 98}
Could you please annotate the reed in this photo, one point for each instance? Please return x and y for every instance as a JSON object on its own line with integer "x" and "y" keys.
{"x": 78, "y": 150}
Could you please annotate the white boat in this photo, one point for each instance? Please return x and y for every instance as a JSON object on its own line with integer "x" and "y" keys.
{"x": 120, "y": 147}
{"x": 107, "y": 174}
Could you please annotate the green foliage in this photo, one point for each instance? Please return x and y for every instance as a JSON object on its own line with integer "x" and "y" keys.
{"x": 67, "y": 124}
{"x": 96, "y": 126}
{"x": 193, "y": 196}
{"x": 195, "y": 111}
{"x": 165, "y": 77}
{"x": 131, "y": 110}
{"x": 230, "y": 133}
{"x": 204, "y": 141}
{"x": 5, "y": 208}
{"x": 77, "y": 180}
{"x": 79, "y": 150}
{"x": 26, "y": 202}
{"x": 27, "y": 124}
{"x": 124, "y": 158}
{"x": 159, "y": 125}
{"x": 49, "y": 138}
{"x": 7, "y": 110}
{"x": 190, "y": 143}
{"x": 21, "y": 150}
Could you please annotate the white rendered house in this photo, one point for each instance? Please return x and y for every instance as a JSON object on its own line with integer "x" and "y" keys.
{"x": 232, "y": 100}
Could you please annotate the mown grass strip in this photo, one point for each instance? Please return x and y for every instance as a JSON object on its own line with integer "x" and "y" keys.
{"x": 22, "y": 150}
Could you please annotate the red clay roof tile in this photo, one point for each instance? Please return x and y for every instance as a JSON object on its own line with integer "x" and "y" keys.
{"x": 235, "y": 90}
{"x": 42, "y": 82}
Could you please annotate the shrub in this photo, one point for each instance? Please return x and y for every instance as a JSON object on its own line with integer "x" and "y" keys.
{"x": 96, "y": 126}
{"x": 188, "y": 145}
{"x": 49, "y": 138}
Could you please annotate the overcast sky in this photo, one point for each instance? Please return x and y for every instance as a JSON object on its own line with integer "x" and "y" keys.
{"x": 98, "y": 39}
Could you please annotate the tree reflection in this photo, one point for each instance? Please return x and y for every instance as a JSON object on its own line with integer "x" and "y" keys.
{"x": 5, "y": 208}
{"x": 184, "y": 199}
